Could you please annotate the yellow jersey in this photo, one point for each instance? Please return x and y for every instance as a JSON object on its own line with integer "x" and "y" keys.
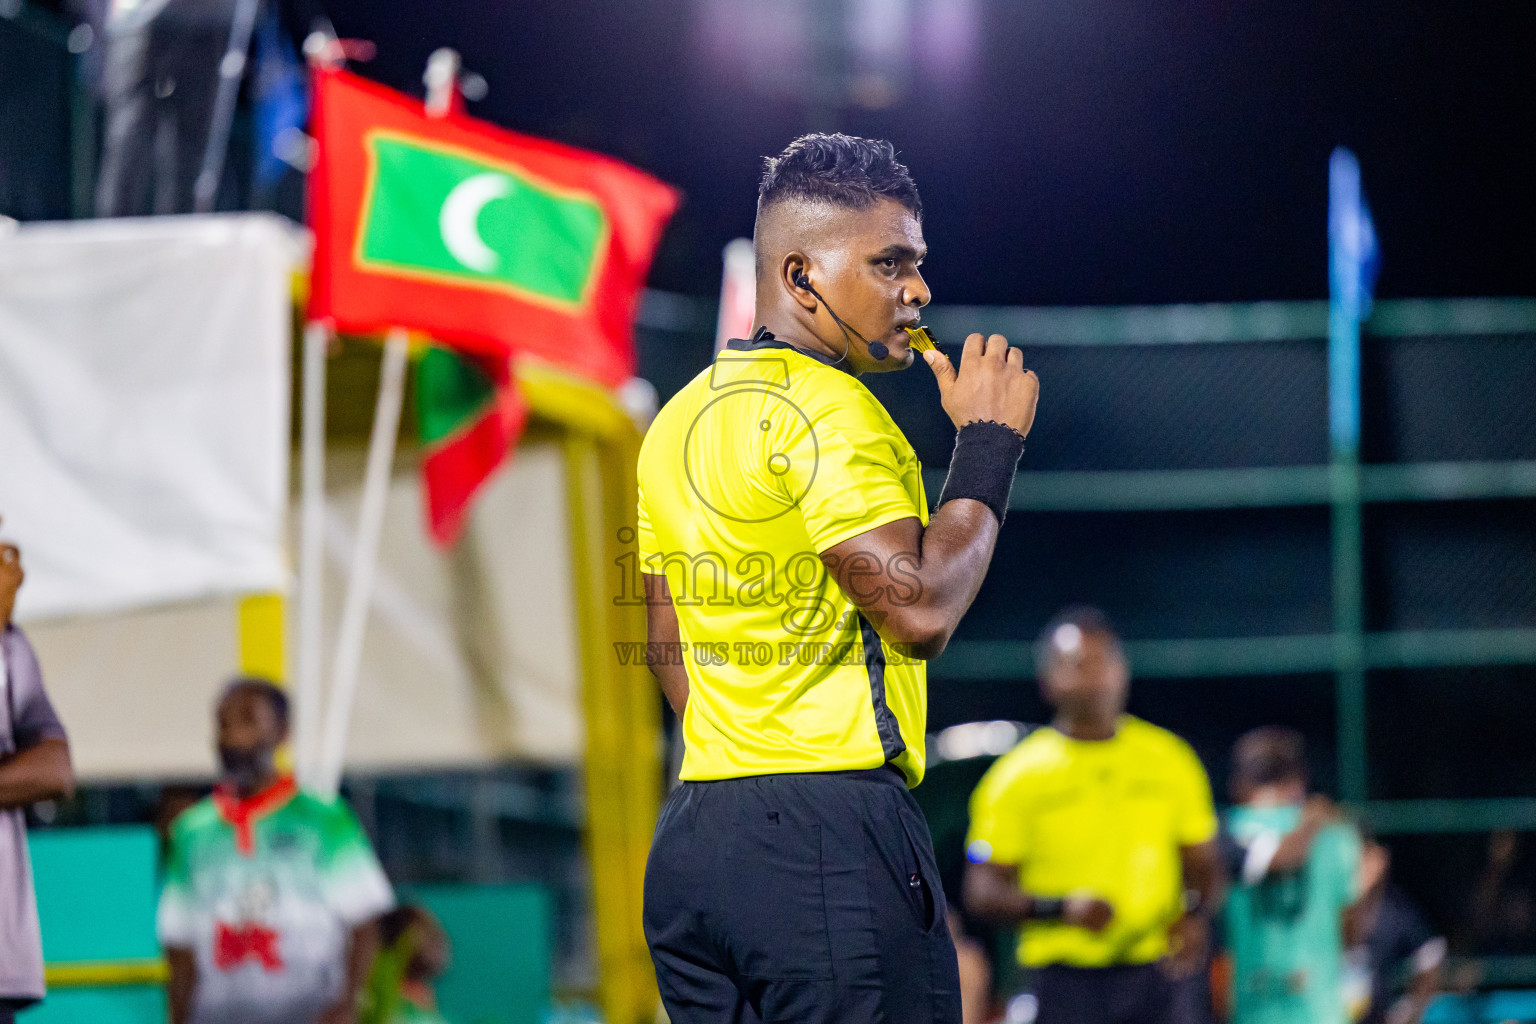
{"x": 1103, "y": 818}
{"x": 760, "y": 463}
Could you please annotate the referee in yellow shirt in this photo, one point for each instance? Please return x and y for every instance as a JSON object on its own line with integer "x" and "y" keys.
{"x": 795, "y": 584}
{"x": 1097, "y": 834}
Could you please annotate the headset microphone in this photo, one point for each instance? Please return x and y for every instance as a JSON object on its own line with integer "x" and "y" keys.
{"x": 878, "y": 350}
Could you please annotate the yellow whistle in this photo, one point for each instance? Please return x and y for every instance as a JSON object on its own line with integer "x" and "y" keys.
{"x": 921, "y": 338}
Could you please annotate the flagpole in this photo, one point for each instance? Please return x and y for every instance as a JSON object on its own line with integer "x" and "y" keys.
{"x": 308, "y": 683}
{"x": 365, "y": 559}
{"x": 441, "y": 79}
{"x": 1348, "y": 303}
{"x": 205, "y": 189}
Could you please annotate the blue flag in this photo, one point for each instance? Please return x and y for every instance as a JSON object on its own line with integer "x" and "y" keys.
{"x": 1353, "y": 258}
{"x": 282, "y": 103}
{"x": 1353, "y": 262}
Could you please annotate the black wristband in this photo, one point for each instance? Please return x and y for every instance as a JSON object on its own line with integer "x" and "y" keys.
{"x": 986, "y": 456}
{"x": 1043, "y": 909}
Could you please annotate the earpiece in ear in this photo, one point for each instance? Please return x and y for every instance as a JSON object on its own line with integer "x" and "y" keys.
{"x": 801, "y": 281}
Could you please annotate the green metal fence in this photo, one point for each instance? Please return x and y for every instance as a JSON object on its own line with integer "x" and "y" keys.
{"x": 1345, "y": 487}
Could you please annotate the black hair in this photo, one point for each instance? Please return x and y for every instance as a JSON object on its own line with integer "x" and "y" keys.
{"x": 428, "y": 949}
{"x": 1269, "y": 755}
{"x": 1086, "y": 618}
{"x": 841, "y": 169}
{"x": 269, "y": 691}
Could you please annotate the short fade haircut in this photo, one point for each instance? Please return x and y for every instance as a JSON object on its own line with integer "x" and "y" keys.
{"x": 840, "y": 169}
{"x": 1086, "y": 618}
{"x": 266, "y": 689}
{"x": 1269, "y": 755}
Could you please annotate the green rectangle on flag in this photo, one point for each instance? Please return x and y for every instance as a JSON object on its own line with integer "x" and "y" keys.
{"x": 441, "y": 213}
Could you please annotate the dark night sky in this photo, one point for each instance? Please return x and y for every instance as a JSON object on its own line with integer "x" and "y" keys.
{"x": 1092, "y": 151}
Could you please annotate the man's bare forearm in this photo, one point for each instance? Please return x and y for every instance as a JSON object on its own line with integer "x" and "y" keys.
{"x": 1202, "y": 870}
{"x": 991, "y": 895}
{"x": 915, "y": 583}
{"x": 663, "y": 640}
{"x": 40, "y": 772}
{"x": 183, "y": 981}
{"x": 957, "y": 548}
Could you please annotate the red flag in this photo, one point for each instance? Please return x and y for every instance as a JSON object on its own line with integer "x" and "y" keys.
{"x": 471, "y": 415}
{"x": 487, "y": 240}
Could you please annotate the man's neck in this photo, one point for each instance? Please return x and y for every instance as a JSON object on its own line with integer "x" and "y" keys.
{"x": 1086, "y": 726}
{"x": 256, "y": 788}
{"x": 796, "y": 334}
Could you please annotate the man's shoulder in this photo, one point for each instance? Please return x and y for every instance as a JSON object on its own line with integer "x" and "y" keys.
{"x": 324, "y": 812}
{"x": 672, "y": 419}
{"x": 1155, "y": 740}
{"x": 832, "y": 396}
{"x": 1038, "y": 754}
{"x": 200, "y": 817}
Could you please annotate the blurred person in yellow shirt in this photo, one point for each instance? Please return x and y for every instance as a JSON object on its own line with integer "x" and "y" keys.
{"x": 1097, "y": 834}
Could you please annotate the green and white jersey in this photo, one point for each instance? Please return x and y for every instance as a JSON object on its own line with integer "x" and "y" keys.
{"x": 265, "y": 892}
{"x": 1285, "y": 929}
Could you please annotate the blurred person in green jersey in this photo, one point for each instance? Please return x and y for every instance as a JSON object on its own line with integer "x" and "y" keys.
{"x": 1097, "y": 835}
{"x": 1297, "y": 880}
{"x": 272, "y": 894}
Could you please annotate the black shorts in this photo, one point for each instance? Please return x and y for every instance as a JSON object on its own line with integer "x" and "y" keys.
{"x": 809, "y": 898}
{"x": 1132, "y": 994}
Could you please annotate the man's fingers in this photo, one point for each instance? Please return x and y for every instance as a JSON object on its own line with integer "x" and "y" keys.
{"x": 10, "y": 554}
{"x": 943, "y": 369}
{"x": 997, "y": 347}
{"x": 974, "y": 348}
{"x": 1016, "y": 357}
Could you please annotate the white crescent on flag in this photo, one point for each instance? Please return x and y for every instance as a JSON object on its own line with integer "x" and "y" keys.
{"x": 459, "y": 219}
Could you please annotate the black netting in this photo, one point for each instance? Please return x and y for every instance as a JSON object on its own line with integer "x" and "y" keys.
{"x": 1248, "y": 572}
{"x": 1448, "y": 399}
{"x": 1440, "y": 872}
{"x": 1451, "y": 732}
{"x": 1113, "y": 407}
{"x": 1451, "y": 565}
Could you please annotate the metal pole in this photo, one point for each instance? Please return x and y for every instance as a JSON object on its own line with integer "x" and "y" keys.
{"x": 365, "y": 558}
{"x": 206, "y": 189}
{"x": 1345, "y": 303}
{"x": 308, "y": 683}
{"x": 442, "y": 79}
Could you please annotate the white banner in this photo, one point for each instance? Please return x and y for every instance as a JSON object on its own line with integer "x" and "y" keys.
{"x": 144, "y": 392}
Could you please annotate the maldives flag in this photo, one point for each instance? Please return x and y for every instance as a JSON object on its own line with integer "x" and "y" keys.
{"x": 489, "y": 241}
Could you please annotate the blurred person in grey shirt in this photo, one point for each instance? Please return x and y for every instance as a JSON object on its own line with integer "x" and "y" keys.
{"x": 34, "y": 766}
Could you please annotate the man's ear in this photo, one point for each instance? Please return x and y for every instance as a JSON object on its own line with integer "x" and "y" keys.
{"x": 794, "y": 275}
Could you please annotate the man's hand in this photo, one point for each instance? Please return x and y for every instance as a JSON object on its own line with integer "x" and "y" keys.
{"x": 11, "y": 577}
{"x": 183, "y": 981}
{"x": 341, "y": 1013}
{"x": 1189, "y": 940}
{"x": 991, "y": 384}
{"x": 1088, "y": 912}
{"x": 1319, "y": 811}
